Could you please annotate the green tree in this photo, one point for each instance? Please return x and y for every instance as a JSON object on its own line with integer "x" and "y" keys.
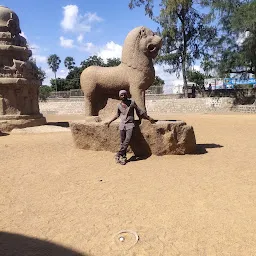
{"x": 69, "y": 63}
{"x": 54, "y": 64}
{"x": 234, "y": 51}
{"x": 185, "y": 31}
{"x": 197, "y": 77}
{"x": 92, "y": 61}
{"x": 73, "y": 78}
{"x": 112, "y": 62}
{"x": 40, "y": 74}
{"x": 61, "y": 83}
{"x": 44, "y": 92}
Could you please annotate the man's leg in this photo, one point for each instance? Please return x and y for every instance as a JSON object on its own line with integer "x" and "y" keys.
{"x": 122, "y": 138}
{"x": 126, "y": 141}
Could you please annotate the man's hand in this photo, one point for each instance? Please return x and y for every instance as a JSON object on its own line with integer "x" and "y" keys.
{"x": 152, "y": 121}
{"x": 107, "y": 124}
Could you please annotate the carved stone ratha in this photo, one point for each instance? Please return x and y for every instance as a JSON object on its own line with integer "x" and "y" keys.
{"x": 19, "y": 84}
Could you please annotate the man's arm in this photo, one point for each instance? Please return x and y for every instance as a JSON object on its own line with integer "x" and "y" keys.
{"x": 114, "y": 118}
{"x": 143, "y": 114}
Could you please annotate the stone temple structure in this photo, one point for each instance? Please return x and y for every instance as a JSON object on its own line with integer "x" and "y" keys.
{"x": 19, "y": 83}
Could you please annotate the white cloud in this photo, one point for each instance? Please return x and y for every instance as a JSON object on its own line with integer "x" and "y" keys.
{"x": 89, "y": 47}
{"x": 74, "y": 22}
{"x": 110, "y": 50}
{"x": 61, "y": 73}
{"x": 80, "y": 38}
{"x": 40, "y": 59}
{"x": 92, "y": 17}
{"x": 170, "y": 80}
{"x": 70, "y": 17}
{"x": 66, "y": 43}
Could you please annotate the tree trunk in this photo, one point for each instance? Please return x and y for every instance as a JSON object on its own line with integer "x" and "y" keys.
{"x": 56, "y": 83}
{"x": 184, "y": 75}
{"x": 184, "y": 53}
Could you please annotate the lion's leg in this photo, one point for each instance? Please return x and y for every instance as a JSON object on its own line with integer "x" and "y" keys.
{"x": 91, "y": 106}
{"x": 102, "y": 102}
{"x": 139, "y": 96}
{"x": 88, "y": 106}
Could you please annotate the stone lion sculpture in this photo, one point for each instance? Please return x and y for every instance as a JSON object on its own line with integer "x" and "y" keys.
{"x": 135, "y": 74}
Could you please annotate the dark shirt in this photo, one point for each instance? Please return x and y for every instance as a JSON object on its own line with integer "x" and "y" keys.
{"x": 126, "y": 114}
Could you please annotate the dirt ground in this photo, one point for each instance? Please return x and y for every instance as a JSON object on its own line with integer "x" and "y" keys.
{"x": 202, "y": 204}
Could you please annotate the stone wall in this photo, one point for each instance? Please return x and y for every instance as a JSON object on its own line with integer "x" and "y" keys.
{"x": 245, "y": 108}
{"x": 191, "y": 105}
{"x": 62, "y": 107}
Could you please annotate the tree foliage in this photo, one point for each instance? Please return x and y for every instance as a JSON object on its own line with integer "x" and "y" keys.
{"x": 92, "y": 61}
{"x": 40, "y": 74}
{"x": 112, "y": 62}
{"x": 54, "y": 62}
{"x": 185, "y": 31}
{"x": 61, "y": 84}
{"x": 69, "y": 63}
{"x": 44, "y": 92}
{"x": 234, "y": 50}
{"x": 196, "y": 77}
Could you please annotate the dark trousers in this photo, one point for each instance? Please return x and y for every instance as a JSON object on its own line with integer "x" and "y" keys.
{"x": 126, "y": 136}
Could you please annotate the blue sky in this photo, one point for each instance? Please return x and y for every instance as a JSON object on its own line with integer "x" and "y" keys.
{"x": 79, "y": 28}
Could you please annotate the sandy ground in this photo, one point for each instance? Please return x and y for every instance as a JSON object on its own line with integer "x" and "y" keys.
{"x": 202, "y": 204}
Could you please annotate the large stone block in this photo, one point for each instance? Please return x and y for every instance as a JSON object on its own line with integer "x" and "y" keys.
{"x": 161, "y": 138}
{"x": 7, "y": 123}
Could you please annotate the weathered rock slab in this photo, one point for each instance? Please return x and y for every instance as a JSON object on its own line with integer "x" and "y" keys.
{"x": 41, "y": 129}
{"x": 8, "y": 123}
{"x": 161, "y": 138}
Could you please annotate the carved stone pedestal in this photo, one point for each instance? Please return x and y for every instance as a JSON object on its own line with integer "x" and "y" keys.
{"x": 161, "y": 138}
{"x": 19, "y": 106}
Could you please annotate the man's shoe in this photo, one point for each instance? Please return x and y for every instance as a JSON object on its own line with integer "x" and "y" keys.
{"x": 122, "y": 160}
{"x": 117, "y": 158}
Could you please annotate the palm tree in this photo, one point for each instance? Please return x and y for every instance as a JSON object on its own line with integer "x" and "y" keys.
{"x": 54, "y": 63}
{"x": 69, "y": 63}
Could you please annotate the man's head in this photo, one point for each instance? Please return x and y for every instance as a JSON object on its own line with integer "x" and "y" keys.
{"x": 123, "y": 95}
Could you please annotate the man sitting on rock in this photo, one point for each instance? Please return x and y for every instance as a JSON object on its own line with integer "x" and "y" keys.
{"x": 125, "y": 111}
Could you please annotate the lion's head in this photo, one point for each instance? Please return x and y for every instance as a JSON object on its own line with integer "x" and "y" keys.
{"x": 140, "y": 47}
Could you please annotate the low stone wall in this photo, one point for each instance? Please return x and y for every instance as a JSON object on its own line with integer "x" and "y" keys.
{"x": 61, "y": 107}
{"x": 245, "y": 108}
{"x": 191, "y": 105}
{"x": 160, "y": 105}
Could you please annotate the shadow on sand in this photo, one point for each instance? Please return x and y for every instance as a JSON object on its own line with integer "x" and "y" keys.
{"x": 4, "y": 134}
{"x": 202, "y": 148}
{"x": 142, "y": 151}
{"x": 137, "y": 158}
{"x": 20, "y": 245}
{"x": 62, "y": 124}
